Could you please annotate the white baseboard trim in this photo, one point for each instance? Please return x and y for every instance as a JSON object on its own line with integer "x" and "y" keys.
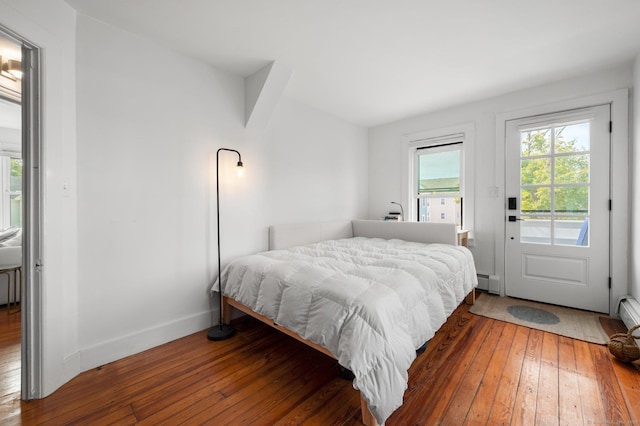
{"x": 121, "y": 347}
{"x": 629, "y": 312}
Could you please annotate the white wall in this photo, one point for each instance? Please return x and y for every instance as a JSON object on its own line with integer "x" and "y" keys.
{"x": 385, "y": 150}
{"x": 634, "y": 287}
{"x": 316, "y": 166}
{"x": 147, "y": 137}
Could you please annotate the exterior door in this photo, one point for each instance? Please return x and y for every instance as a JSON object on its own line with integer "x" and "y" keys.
{"x": 557, "y": 210}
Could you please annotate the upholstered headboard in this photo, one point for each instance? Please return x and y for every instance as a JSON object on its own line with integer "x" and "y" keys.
{"x": 419, "y": 232}
{"x": 291, "y": 235}
{"x": 298, "y": 234}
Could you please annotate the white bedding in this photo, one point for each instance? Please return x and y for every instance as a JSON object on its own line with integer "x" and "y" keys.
{"x": 370, "y": 302}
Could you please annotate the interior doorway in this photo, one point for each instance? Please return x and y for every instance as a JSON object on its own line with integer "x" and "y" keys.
{"x": 11, "y": 214}
{"x": 20, "y": 206}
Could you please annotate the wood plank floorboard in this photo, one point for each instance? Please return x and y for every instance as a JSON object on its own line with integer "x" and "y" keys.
{"x": 475, "y": 371}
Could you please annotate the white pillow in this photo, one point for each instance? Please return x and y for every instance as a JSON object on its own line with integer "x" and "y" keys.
{"x": 8, "y": 233}
{"x": 14, "y": 241}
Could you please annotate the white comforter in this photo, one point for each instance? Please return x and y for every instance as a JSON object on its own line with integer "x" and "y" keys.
{"x": 370, "y": 302}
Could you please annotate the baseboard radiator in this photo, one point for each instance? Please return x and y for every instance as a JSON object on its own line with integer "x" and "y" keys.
{"x": 490, "y": 283}
{"x": 629, "y": 312}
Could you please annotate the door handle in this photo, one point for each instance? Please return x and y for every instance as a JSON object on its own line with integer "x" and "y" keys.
{"x": 513, "y": 219}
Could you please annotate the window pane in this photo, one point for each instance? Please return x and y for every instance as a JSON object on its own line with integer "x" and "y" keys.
{"x": 439, "y": 172}
{"x": 571, "y": 231}
{"x": 572, "y": 138}
{"x": 572, "y": 199}
{"x": 15, "y": 219}
{"x": 535, "y": 199}
{"x": 15, "y": 183}
{"x": 535, "y": 229}
{"x": 535, "y": 171}
{"x": 535, "y": 142}
{"x": 572, "y": 169}
{"x": 449, "y": 211}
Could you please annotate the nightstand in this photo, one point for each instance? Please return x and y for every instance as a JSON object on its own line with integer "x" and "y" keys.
{"x": 463, "y": 237}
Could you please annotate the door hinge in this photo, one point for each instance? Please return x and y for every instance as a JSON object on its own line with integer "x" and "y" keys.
{"x": 609, "y": 205}
{"x": 610, "y": 126}
{"x": 609, "y": 283}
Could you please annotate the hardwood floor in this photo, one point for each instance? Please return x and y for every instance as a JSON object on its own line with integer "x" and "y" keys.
{"x": 9, "y": 361}
{"x": 474, "y": 371}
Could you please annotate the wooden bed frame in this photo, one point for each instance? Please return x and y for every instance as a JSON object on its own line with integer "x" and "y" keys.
{"x": 290, "y": 235}
{"x": 228, "y": 303}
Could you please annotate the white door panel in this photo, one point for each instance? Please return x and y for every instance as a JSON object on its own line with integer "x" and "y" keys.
{"x": 557, "y": 228}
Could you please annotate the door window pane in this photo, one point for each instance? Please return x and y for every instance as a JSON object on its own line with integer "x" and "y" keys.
{"x": 572, "y": 169}
{"x": 535, "y": 229}
{"x": 572, "y": 199}
{"x": 571, "y": 231}
{"x": 535, "y": 171}
{"x": 535, "y": 142}
{"x": 572, "y": 138}
{"x": 535, "y": 200}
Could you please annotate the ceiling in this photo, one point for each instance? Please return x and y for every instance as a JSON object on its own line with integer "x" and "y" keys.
{"x": 375, "y": 61}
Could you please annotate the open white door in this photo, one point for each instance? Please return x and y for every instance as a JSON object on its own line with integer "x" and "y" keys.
{"x": 557, "y": 210}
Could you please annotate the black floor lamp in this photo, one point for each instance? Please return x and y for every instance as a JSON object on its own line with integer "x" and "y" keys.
{"x": 222, "y": 331}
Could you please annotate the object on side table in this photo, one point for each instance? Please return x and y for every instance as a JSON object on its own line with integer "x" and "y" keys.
{"x": 463, "y": 237}
{"x": 624, "y": 347}
{"x": 401, "y": 217}
{"x": 394, "y": 216}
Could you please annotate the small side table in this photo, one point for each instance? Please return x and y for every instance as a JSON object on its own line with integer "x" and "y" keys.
{"x": 16, "y": 273}
{"x": 463, "y": 237}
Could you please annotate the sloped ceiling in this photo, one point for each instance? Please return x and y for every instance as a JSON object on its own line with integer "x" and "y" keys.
{"x": 375, "y": 61}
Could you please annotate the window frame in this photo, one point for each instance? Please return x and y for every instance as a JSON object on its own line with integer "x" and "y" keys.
{"x": 411, "y": 144}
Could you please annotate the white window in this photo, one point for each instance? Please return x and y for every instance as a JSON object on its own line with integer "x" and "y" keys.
{"x": 11, "y": 200}
{"x": 436, "y": 169}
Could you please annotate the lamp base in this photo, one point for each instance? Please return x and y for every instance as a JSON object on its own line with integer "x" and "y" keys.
{"x": 220, "y": 332}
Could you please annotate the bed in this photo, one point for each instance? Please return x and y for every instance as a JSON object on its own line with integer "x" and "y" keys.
{"x": 368, "y": 293}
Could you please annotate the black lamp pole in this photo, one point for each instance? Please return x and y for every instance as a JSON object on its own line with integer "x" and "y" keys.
{"x": 222, "y": 331}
